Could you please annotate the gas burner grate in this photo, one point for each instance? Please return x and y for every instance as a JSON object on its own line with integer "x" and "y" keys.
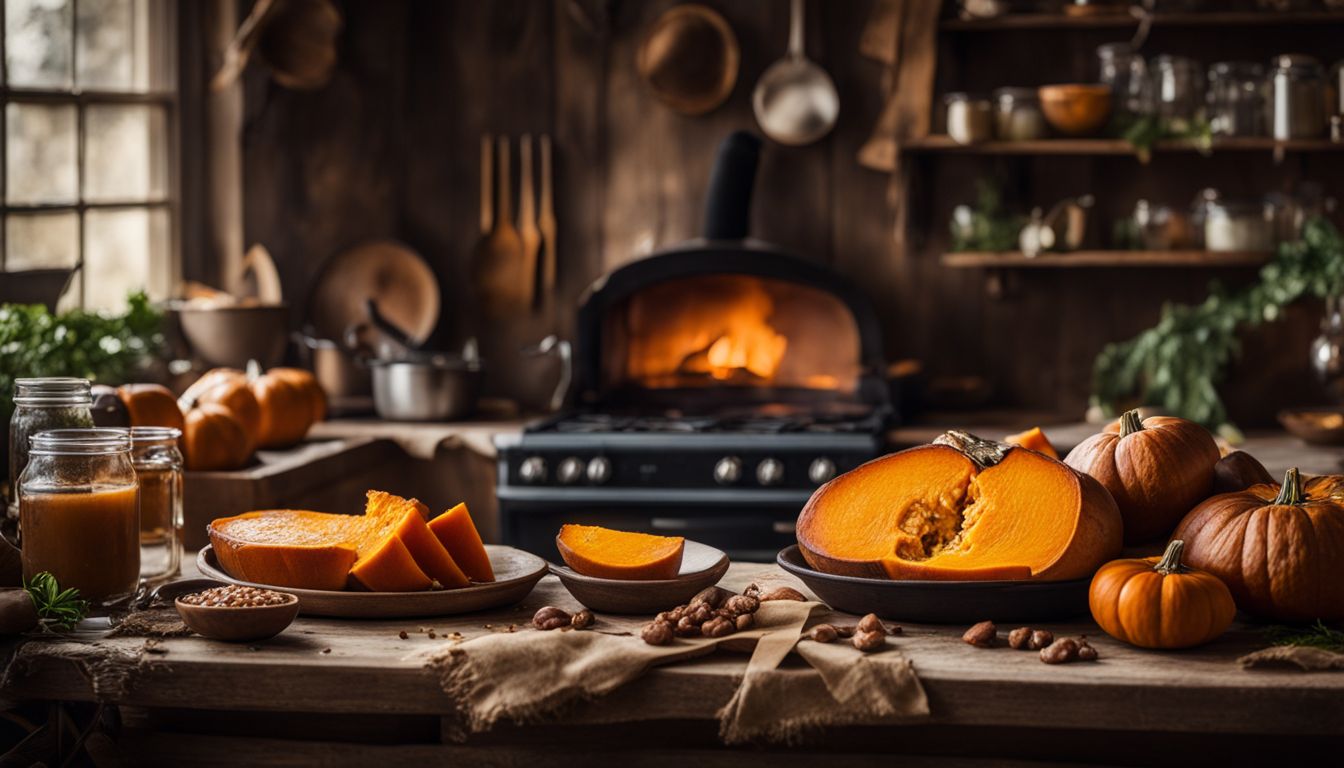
{"x": 751, "y": 422}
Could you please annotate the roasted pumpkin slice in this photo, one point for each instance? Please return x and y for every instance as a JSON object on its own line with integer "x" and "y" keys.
{"x": 389, "y": 567}
{"x": 961, "y": 509}
{"x": 286, "y": 548}
{"x": 1033, "y": 439}
{"x": 429, "y": 552}
{"x": 608, "y": 554}
{"x": 458, "y": 534}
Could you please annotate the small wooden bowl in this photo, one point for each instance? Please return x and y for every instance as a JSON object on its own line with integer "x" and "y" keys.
{"x": 701, "y": 566}
{"x": 1315, "y": 426}
{"x": 238, "y": 625}
{"x": 1076, "y": 109}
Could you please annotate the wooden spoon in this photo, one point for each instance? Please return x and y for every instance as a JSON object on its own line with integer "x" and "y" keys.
{"x": 498, "y": 264}
{"x": 487, "y": 192}
{"x": 527, "y": 220}
{"x": 546, "y": 222}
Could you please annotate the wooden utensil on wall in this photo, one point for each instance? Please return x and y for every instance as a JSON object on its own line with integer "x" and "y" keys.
{"x": 487, "y": 187}
{"x": 546, "y": 222}
{"x": 498, "y": 268}
{"x": 527, "y": 220}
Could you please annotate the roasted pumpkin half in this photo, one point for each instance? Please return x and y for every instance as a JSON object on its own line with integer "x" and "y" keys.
{"x": 961, "y": 508}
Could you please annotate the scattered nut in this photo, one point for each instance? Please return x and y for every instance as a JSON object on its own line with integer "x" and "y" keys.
{"x": 1041, "y": 638}
{"x": 550, "y": 617}
{"x": 1060, "y": 652}
{"x": 745, "y": 621}
{"x": 657, "y": 633}
{"x": 783, "y": 593}
{"x": 871, "y": 623}
{"x": 845, "y": 631}
{"x": 710, "y": 596}
{"x": 1019, "y": 638}
{"x": 582, "y": 620}
{"x": 686, "y": 628}
{"x": 1086, "y": 652}
{"x": 981, "y": 635}
{"x": 718, "y": 627}
{"x": 701, "y": 613}
{"x": 752, "y": 590}
{"x": 432, "y": 635}
{"x": 740, "y": 604}
{"x": 402, "y": 634}
{"x": 326, "y": 650}
{"x": 868, "y": 641}
{"x": 824, "y": 633}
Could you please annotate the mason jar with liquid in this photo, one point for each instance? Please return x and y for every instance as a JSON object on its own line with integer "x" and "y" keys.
{"x": 79, "y": 509}
{"x": 158, "y": 468}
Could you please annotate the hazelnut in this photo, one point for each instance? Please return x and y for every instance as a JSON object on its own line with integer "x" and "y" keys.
{"x": 869, "y": 641}
{"x": 582, "y": 620}
{"x": 1040, "y": 638}
{"x": 1060, "y": 652}
{"x": 1019, "y": 638}
{"x": 550, "y": 617}
{"x": 871, "y": 623}
{"x": 718, "y": 627}
{"x": 1086, "y": 652}
{"x": 783, "y": 593}
{"x": 657, "y": 633}
{"x": 824, "y": 633}
{"x": 981, "y": 635}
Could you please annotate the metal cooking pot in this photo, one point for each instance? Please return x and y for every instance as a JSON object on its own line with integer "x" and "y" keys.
{"x": 425, "y": 388}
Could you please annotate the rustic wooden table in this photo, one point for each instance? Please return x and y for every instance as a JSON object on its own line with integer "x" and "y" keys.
{"x": 354, "y": 692}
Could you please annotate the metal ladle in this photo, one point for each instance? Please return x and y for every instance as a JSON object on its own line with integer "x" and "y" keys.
{"x": 795, "y": 100}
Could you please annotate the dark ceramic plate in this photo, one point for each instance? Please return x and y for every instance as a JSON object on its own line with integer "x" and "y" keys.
{"x": 941, "y": 602}
{"x": 701, "y": 566}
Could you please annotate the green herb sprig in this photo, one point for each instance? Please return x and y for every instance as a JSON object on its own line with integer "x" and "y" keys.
{"x": 1317, "y": 635}
{"x": 56, "y": 608}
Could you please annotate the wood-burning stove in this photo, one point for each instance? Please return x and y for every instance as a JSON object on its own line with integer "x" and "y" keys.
{"x": 717, "y": 385}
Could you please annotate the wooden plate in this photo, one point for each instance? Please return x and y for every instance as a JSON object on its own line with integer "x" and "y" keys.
{"x": 1317, "y": 426}
{"x": 701, "y": 566}
{"x": 941, "y": 602}
{"x": 516, "y": 573}
{"x": 403, "y": 285}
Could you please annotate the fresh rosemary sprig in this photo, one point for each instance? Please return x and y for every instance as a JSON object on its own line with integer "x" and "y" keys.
{"x": 56, "y": 608}
{"x": 1317, "y": 635}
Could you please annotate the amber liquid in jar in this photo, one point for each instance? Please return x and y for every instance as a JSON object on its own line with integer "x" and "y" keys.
{"x": 86, "y": 538}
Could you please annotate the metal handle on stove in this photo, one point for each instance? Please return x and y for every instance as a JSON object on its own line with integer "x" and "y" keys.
{"x": 685, "y": 524}
{"x": 554, "y": 345}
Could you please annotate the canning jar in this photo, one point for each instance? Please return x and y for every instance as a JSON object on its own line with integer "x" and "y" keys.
{"x": 158, "y": 468}
{"x": 1234, "y": 225}
{"x": 1127, "y": 74}
{"x": 39, "y": 405}
{"x": 1237, "y": 99}
{"x": 80, "y": 513}
{"x": 1177, "y": 88}
{"x": 1297, "y": 89}
{"x": 1018, "y": 115}
{"x": 969, "y": 119}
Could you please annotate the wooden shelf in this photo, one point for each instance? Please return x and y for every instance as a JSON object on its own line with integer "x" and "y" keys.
{"x": 944, "y": 144}
{"x": 1121, "y": 20}
{"x": 1103, "y": 259}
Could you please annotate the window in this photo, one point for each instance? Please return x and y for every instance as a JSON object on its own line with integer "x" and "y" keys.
{"x": 89, "y": 145}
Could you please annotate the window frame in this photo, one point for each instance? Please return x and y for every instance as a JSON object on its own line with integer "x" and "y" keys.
{"x": 167, "y": 52}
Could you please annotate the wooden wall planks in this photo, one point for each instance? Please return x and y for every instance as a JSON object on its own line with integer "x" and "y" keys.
{"x": 390, "y": 149}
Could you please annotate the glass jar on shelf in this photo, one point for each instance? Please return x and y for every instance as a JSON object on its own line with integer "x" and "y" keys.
{"x": 1226, "y": 225}
{"x": 969, "y": 119}
{"x": 158, "y": 468}
{"x": 1018, "y": 115}
{"x": 1236, "y": 99}
{"x": 1297, "y": 96}
{"x": 41, "y": 404}
{"x": 1127, "y": 74}
{"x": 1177, "y": 89}
{"x": 80, "y": 513}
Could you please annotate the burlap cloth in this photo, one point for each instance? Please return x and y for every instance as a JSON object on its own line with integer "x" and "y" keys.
{"x": 1304, "y": 658}
{"x": 530, "y": 675}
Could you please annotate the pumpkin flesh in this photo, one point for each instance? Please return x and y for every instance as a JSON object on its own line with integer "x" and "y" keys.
{"x": 932, "y": 513}
{"x": 603, "y": 553}
{"x": 389, "y": 567}
{"x": 1035, "y": 440}
{"x": 459, "y": 536}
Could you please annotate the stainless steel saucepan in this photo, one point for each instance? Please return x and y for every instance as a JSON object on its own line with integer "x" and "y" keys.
{"x": 431, "y": 387}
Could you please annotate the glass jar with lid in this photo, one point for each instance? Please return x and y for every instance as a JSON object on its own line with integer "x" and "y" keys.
{"x": 1297, "y": 95}
{"x": 969, "y": 118}
{"x": 1237, "y": 99}
{"x": 1127, "y": 74}
{"x": 41, "y": 404}
{"x": 1233, "y": 225}
{"x": 1177, "y": 89}
{"x": 158, "y": 468}
{"x": 1018, "y": 115}
{"x": 80, "y": 513}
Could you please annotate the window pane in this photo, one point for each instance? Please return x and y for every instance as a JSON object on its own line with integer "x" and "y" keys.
{"x": 121, "y": 251}
{"x": 37, "y": 43}
{"x": 40, "y": 153}
{"x": 125, "y": 153}
{"x": 38, "y": 240}
{"x": 122, "y": 45}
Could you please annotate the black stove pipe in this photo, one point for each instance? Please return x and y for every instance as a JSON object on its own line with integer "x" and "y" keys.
{"x": 728, "y": 204}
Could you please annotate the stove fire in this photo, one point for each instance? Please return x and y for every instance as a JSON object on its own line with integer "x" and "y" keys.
{"x": 749, "y": 346}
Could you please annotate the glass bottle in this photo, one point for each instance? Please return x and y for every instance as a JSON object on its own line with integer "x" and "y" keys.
{"x": 39, "y": 405}
{"x": 79, "y": 509}
{"x": 1297, "y": 90}
{"x": 158, "y": 468}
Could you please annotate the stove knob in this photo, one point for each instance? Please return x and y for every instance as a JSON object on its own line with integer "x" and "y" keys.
{"x": 728, "y": 470}
{"x": 599, "y": 470}
{"x": 570, "y": 470}
{"x": 532, "y": 470}
{"x": 821, "y": 470}
{"x": 770, "y": 472}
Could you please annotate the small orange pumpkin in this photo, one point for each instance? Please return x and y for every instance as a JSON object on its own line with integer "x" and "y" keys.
{"x": 286, "y": 411}
{"x": 150, "y": 405}
{"x": 306, "y": 381}
{"x": 1160, "y": 603}
{"x": 214, "y": 439}
{"x": 232, "y": 392}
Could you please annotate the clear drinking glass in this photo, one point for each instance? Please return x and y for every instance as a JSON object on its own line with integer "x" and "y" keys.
{"x": 158, "y": 468}
{"x": 80, "y": 513}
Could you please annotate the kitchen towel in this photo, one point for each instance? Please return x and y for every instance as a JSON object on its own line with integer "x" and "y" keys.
{"x": 1301, "y": 657}
{"x": 529, "y": 675}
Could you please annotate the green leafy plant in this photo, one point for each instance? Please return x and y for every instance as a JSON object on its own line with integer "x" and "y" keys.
{"x": 1145, "y": 131}
{"x": 1177, "y": 364}
{"x": 56, "y": 608}
{"x": 1317, "y": 635}
{"x": 93, "y": 345}
{"x": 988, "y": 227}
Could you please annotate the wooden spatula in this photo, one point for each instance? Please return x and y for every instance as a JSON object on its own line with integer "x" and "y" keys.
{"x": 527, "y": 219}
{"x": 546, "y": 222}
{"x": 498, "y": 267}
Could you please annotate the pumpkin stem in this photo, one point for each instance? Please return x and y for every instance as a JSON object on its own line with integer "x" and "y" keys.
{"x": 1171, "y": 559}
{"x": 1291, "y": 491}
{"x": 1130, "y": 422}
{"x": 985, "y": 453}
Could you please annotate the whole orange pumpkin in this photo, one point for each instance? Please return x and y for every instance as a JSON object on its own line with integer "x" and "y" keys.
{"x": 1280, "y": 549}
{"x": 286, "y": 410}
{"x": 233, "y": 393}
{"x": 150, "y": 405}
{"x": 1157, "y": 469}
{"x": 214, "y": 439}
{"x": 306, "y": 381}
{"x": 1159, "y": 603}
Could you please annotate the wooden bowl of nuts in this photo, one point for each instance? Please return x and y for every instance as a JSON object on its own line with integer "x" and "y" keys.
{"x": 701, "y": 566}
{"x": 237, "y": 614}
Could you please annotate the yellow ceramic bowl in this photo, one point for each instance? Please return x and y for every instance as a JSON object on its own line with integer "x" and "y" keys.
{"x": 1076, "y": 109}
